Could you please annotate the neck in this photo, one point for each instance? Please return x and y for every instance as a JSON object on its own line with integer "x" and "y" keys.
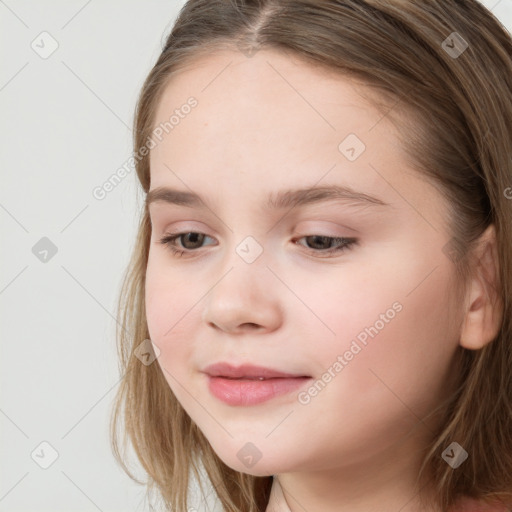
{"x": 387, "y": 484}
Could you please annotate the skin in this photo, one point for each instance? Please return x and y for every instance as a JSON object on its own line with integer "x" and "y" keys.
{"x": 268, "y": 123}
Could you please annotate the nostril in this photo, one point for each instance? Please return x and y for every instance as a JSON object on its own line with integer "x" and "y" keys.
{"x": 251, "y": 325}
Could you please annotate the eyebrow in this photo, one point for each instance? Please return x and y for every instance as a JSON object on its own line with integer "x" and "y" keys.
{"x": 279, "y": 200}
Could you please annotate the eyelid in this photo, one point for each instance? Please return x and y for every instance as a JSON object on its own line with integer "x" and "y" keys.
{"x": 313, "y": 226}
{"x": 182, "y": 227}
{"x": 342, "y": 245}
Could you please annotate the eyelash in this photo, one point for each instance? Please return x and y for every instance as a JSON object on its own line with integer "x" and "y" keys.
{"x": 346, "y": 244}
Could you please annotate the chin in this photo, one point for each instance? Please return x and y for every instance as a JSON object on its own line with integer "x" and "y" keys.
{"x": 242, "y": 463}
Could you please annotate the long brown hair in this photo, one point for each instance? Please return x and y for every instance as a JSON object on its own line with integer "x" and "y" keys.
{"x": 450, "y": 96}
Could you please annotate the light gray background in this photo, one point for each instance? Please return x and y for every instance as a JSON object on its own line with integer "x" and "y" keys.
{"x": 66, "y": 128}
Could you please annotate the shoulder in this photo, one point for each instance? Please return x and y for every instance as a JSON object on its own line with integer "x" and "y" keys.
{"x": 472, "y": 505}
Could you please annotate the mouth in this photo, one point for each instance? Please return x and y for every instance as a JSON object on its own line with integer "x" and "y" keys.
{"x": 248, "y": 372}
{"x": 250, "y": 385}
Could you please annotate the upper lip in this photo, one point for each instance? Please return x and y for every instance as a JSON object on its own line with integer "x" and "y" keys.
{"x": 246, "y": 370}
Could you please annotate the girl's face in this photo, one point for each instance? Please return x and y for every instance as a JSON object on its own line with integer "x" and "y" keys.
{"x": 265, "y": 280}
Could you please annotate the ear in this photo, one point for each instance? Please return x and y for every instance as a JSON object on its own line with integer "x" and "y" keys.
{"x": 484, "y": 307}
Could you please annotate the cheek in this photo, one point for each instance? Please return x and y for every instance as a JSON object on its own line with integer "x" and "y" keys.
{"x": 172, "y": 311}
{"x": 396, "y": 339}
{"x": 396, "y": 360}
{"x": 169, "y": 294}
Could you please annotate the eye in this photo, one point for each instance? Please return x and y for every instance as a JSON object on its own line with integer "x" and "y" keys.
{"x": 190, "y": 240}
{"x": 327, "y": 244}
{"x": 321, "y": 245}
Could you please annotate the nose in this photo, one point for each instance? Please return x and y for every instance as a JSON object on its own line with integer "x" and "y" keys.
{"x": 244, "y": 300}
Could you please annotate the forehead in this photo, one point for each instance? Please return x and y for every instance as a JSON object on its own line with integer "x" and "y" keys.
{"x": 273, "y": 123}
{"x": 267, "y": 85}
{"x": 267, "y": 112}
{"x": 270, "y": 123}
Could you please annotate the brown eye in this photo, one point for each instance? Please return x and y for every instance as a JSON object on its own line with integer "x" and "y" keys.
{"x": 188, "y": 242}
{"x": 319, "y": 242}
{"x": 191, "y": 240}
{"x": 327, "y": 244}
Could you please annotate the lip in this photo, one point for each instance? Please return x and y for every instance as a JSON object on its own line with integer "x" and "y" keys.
{"x": 246, "y": 371}
{"x": 240, "y": 385}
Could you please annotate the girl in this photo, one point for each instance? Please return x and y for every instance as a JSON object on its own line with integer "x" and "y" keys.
{"x": 318, "y": 313}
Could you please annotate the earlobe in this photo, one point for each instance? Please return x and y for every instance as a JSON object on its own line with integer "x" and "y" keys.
{"x": 484, "y": 308}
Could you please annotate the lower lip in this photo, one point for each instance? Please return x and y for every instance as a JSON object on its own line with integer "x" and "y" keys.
{"x": 252, "y": 392}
